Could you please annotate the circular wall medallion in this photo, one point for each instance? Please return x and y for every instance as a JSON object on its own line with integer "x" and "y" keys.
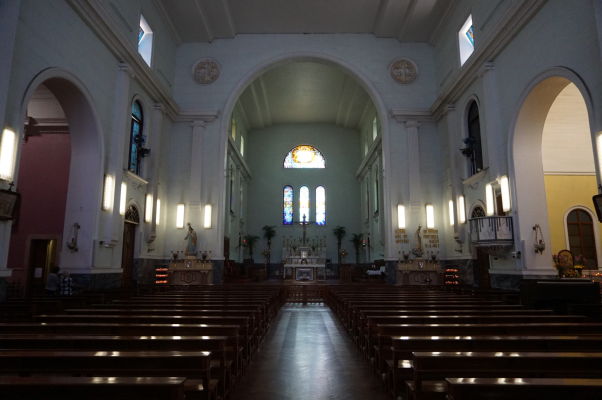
{"x": 403, "y": 71}
{"x": 205, "y": 71}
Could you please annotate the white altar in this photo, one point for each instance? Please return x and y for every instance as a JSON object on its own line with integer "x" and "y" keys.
{"x": 305, "y": 263}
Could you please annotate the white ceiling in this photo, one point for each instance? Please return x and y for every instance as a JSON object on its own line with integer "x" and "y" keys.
{"x": 206, "y": 20}
{"x": 567, "y": 143}
{"x": 302, "y": 92}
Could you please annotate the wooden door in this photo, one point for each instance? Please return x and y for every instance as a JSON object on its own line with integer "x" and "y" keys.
{"x": 127, "y": 255}
{"x": 482, "y": 269}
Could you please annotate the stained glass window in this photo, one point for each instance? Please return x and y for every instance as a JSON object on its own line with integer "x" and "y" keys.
{"x": 320, "y": 205}
{"x": 233, "y": 129}
{"x": 136, "y": 139}
{"x": 145, "y": 40}
{"x": 466, "y": 40}
{"x": 304, "y": 156}
{"x": 374, "y": 128}
{"x": 304, "y": 203}
{"x": 287, "y": 213}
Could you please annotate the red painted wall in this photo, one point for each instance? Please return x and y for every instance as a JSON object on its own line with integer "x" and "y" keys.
{"x": 42, "y": 183}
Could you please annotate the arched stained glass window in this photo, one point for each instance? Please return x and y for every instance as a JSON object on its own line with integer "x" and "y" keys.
{"x": 320, "y": 205}
{"x": 136, "y": 138}
{"x": 287, "y": 213}
{"x": 304, "y": 156}
{"x": 304, "y": 203}
{"x": 473, "y": 142}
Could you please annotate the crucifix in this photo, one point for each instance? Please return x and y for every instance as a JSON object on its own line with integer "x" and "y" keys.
{"x": 304, "y": 223}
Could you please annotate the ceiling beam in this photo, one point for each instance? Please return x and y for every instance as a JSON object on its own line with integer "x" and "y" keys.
{"x": 379, "y": 19}
{"x": 350, "y": 103}
{"x": 168, "y": 21}
{"x": 231, "y": 27}
{"x": 266, "y": 101}
{"x": 403, "y": 27}
{"x": 204, "y": 20}
{"x": 257, "y": 105}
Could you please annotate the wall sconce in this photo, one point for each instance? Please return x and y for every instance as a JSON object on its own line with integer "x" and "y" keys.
{"x": 505, "y": 189}
{"x": 451, "y": 213}
{"x": 148, "y": 208}
{"x": 401, "y": 216}
{"x": 72, "y": 243}
{"x": 461, "y": 210}
{"x": 123, "y": 198}
{"x": 489, "y": 199}
{"x": 158, "y": 212}
{"x": 109, "y": 193}
{"x": 7, "y": 154}
{"x": 207, "y": 217}
{"x": 430, "y": 216}
{"x": 180, "y": 216}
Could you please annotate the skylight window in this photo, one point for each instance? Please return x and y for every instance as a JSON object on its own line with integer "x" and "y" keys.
{"x": 466, "y": 40}
{"x": 145, "y": 41}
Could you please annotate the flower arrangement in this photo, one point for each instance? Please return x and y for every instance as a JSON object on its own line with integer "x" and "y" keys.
{"x": 569, "y": 266}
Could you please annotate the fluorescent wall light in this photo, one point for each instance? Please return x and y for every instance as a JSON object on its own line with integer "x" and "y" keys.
{"x": 7, "y": 154}
{"x": 207, "y": 217}
{"x": 180, "y": 216}
{"x": 489, "y": 199}
{"x": 451, "y": 212}
{"x": 109, "y": 193}
{"x": 123, "y": 198}
{"x": 148, "y": 208}
{"x": 461, "y": 210}
{"x": 430, "y": 216}
{"x": 401, "y": 216}
{"x": 505, "y": 188}
{"x": 158, "y": 213}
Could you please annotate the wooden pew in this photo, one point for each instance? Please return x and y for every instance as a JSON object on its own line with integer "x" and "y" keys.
{"x": 194, "y": 365}
{"x": 431, "y": 368}
{"x": 523, "y": 388}
{"x": 398, "y": 368}
{"x": 91, "y": 388}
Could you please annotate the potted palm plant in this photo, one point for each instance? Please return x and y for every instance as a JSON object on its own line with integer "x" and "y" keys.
{"x": 269, "y": 231}
{"x": 357, "y": 240}
{"x": 249, "y": 243}
{"x": 339, "y": 232}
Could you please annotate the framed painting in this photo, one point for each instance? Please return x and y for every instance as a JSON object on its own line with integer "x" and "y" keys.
{"x": 8, "y": 204}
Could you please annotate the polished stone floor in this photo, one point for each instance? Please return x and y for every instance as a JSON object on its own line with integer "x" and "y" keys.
{"x": 308, "y": 355}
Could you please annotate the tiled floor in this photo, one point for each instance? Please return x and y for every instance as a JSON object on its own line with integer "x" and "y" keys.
{"x": 308, "y": 355}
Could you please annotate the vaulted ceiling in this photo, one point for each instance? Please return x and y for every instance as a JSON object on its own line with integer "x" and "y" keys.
{"x": 301, "y": 92}
{"x": 206, "y": 20}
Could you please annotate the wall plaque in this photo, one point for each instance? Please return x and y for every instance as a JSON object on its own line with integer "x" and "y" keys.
{"x": 403, "y": 71}
{"x": 205, "y": 71}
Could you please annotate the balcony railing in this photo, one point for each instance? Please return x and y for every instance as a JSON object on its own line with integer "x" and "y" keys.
{"x": 491, "y": 231}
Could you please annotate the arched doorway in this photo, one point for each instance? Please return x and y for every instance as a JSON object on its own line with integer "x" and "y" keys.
{"x": 58, "y": 174}
{"x": 553, "y": 163}
{"x": 321, "y": 107}
{"x": 131, "y": 222}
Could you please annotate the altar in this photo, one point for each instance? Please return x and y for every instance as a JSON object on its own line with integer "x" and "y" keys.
{"x": 190, "y": 272}
{"x": 305, "y": 264}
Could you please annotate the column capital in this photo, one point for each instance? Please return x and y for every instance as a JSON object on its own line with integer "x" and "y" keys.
{"x": 198, "y": 124}
{"x": 488, "y": 66}
{"x": 125, "y": 67}
{"x": 159, "y": 107}
{"x": 412, "y": 123}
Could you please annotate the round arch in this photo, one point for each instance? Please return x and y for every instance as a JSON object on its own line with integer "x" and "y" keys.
{"x": 87, "y": 152}
{"x": 525, "y": 161}
{"x": 279, "y": 60}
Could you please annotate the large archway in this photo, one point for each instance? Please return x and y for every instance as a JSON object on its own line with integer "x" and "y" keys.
{"x": 76, "y": 173}
{"x": 532, "y": 169}
{"x": 326, "y": 71}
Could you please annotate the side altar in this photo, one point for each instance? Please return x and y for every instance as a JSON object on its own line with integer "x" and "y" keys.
{"x": 190, "y": 271}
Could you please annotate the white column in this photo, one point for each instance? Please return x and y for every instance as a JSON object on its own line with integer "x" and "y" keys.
{"x": 9, "y": 19}
{"x": 116, "y": 154}
{"x": 194, "y": 183}
{"x": 414, "y": 176}
{"x": 490, "y": 112}
{"x": 154, "y": 143}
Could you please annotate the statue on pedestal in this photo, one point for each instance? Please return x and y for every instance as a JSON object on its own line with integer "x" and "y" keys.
{"x": 191, "y": 242}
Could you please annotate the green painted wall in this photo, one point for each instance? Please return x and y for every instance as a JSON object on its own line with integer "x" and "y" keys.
{"x": 267, "y": 149}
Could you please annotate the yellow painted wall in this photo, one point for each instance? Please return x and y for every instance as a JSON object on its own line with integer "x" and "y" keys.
{"x": 564, "y": 192}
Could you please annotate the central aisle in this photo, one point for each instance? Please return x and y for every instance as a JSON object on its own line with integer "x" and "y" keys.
{"x": 308, "y": 355}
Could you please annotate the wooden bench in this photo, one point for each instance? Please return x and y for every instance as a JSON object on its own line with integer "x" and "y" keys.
{"x": 431, "y": 368}
{"x": 523, "y": 388}
{"x": 91, "y": 388}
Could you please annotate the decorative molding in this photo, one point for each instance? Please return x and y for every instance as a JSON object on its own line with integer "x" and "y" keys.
{"x": 196, "y": 115}
{"x": 136, "y": 181}
{"x": 370, "y": 157}
{"x": 402, "y": 115}
{"x": 475, "y": 179}
{"x": 96, "y": 15}
{"x": 489, "y": 47}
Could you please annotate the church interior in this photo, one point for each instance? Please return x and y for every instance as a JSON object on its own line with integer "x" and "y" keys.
{"x": 300, "y": 199}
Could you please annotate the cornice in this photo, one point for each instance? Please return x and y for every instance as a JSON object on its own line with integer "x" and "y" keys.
{"x": 403, "y": 115}
{"x": 206, "y": 116}
{"x": 369, "y": 158}
{"x": 489, "y": 47}
{"x": 239, "y": 159}
{"x": 95, "y": 14}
